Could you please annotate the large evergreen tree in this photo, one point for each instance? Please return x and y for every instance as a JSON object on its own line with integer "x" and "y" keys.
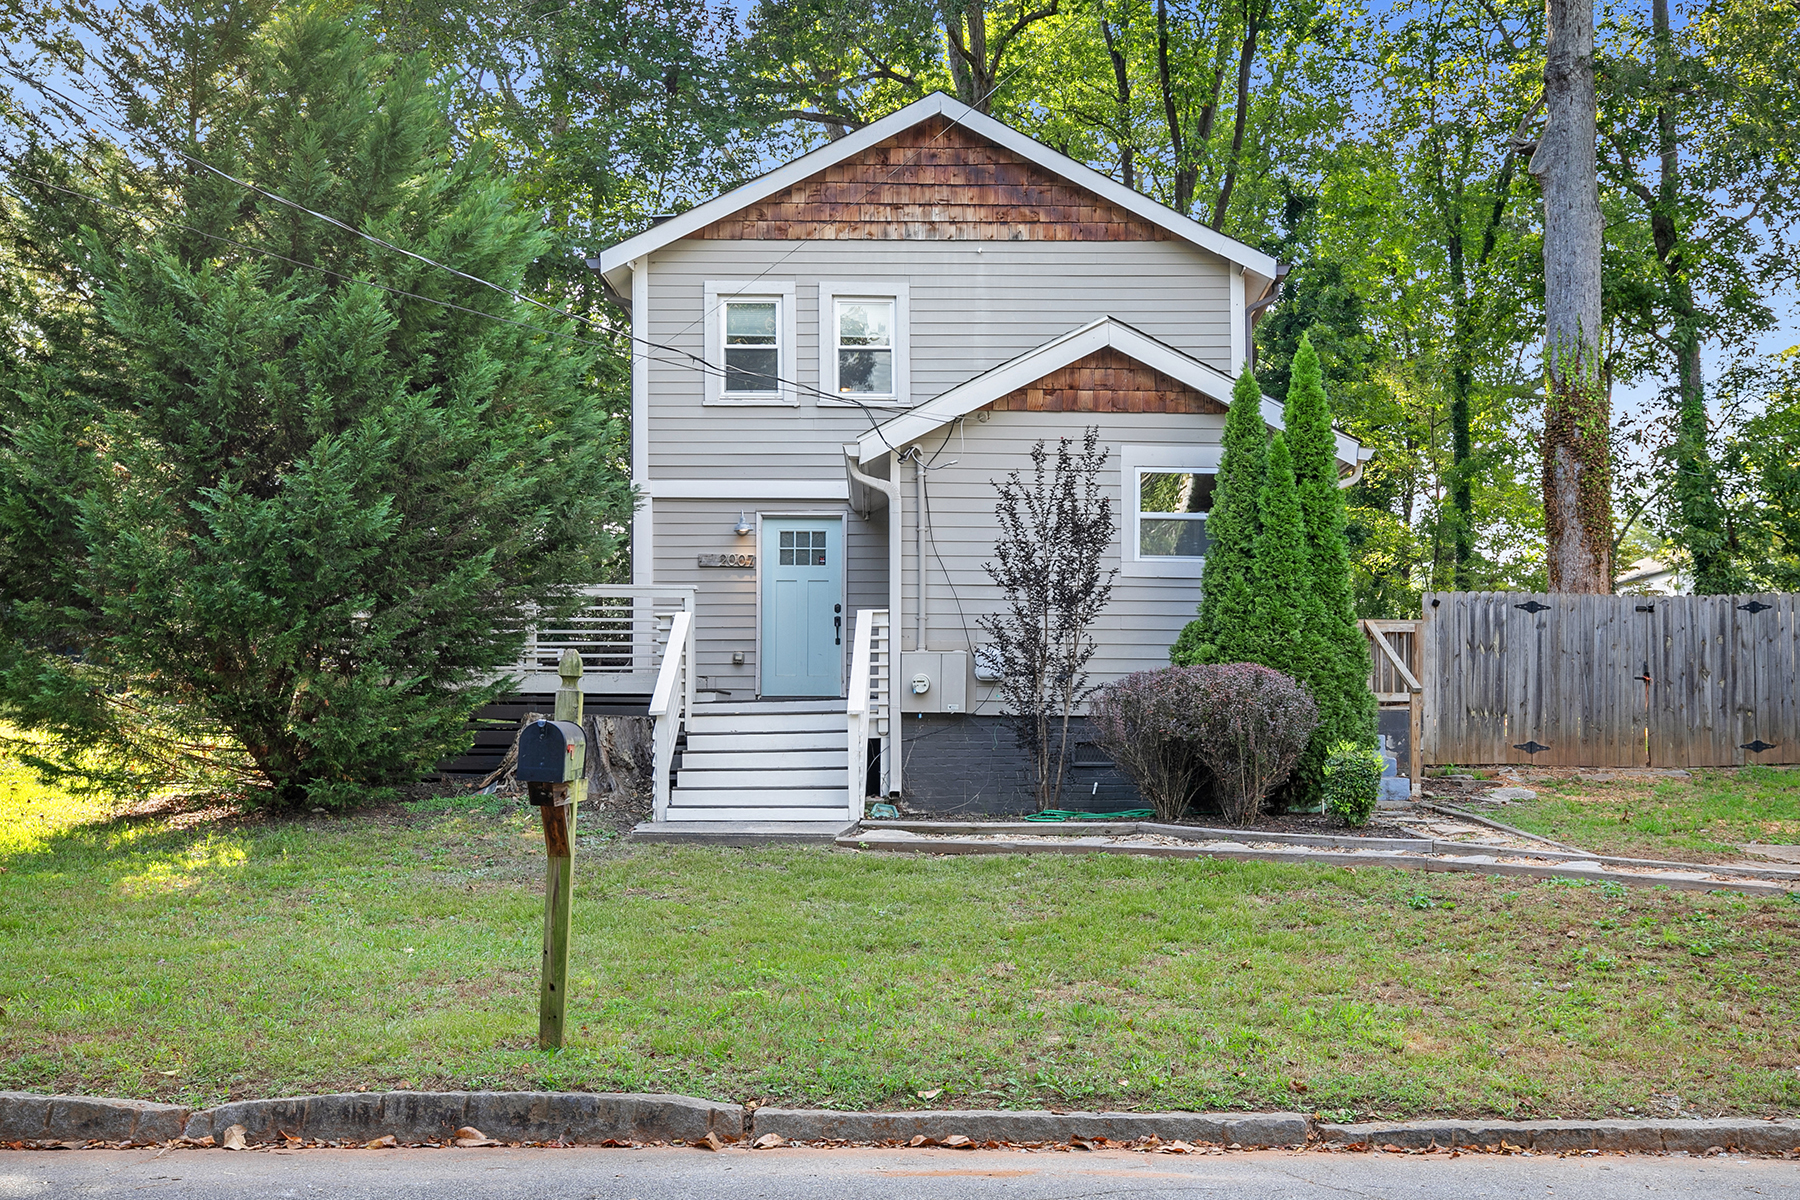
{"x": 315, "y": 511}
{"x": 1224, "y": 630}
{"x": 1339, "y": 671}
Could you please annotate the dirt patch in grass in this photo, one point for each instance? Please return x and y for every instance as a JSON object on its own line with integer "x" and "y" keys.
{"x": 400, "y": 948}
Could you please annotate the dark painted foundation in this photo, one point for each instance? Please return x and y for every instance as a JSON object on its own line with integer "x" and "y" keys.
{"x": 974, "y": 765}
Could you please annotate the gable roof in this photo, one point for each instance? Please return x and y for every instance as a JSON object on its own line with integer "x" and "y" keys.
{"x": 614, "y": 262}
{"x": 1059, "y": 352}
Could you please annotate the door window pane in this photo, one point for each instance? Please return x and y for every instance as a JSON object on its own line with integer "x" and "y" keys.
{"x": 1172, "y": 508}
{"x": 752, "y": 346}
{"x": 865, "y": 347}
{"x": 802, "y": 547}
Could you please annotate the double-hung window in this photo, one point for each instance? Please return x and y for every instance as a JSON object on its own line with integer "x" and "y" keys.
{"x": 863, "y": 343}
{"x": 865, "y": 349}
{"x": 1168, "y": 493}
{"x": 753, "y": 347}
{"x": 1172, "y": 508}
{"x": 750, "y": 356}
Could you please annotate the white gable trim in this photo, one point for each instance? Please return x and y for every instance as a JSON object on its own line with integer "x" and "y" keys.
{"x": 615, "y": 262}
{"x": 1057, "y": 353}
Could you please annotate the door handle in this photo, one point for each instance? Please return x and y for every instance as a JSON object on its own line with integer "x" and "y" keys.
{"x": 839, "y": 622}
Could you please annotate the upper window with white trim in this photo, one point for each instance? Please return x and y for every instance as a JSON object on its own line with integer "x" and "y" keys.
{"x": 1168, "y": 493}
{"x": 863, "y": 343}
{"x": 753, "y": 347}
{"x": 750, "y": 343}
{"x": 865, "y": 348}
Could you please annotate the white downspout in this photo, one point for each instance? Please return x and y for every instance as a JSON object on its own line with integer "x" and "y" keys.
{"x": 896, "y": 564}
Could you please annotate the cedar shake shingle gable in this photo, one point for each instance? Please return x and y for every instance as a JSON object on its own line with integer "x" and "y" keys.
{"x": 1106, "y": 381}
{"x": 935, "y": 181}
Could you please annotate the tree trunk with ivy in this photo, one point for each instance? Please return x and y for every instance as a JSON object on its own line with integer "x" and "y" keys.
{"x": 1577, "y": 469}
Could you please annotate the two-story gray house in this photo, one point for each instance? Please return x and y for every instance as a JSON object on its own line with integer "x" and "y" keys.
{"x": 832, "y": 366}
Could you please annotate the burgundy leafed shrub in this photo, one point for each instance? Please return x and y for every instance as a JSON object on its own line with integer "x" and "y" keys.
{"x": 1137, "y": 722}
{"x": 1249, "y": 727}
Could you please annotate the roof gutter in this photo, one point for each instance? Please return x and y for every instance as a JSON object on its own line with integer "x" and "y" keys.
{"x": 606, "y": 287}
{"x": 1255, "y": 310}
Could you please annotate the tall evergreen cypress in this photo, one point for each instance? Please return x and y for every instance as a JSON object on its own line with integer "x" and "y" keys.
{"x": 1339, "y": 671}
{"x": 1224, "y": 630}
{"x": 1284, "y": 633}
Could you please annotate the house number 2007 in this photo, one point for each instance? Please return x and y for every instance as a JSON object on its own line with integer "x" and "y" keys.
{"x": 728, "y": 560}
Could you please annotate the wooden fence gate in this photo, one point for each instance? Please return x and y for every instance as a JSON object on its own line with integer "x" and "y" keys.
{"x": 1610, "y": 681}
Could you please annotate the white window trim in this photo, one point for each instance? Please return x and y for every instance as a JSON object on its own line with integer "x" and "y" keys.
{"x": 1133, "y": 462}
{"x": 830, "y": 292}
{"x": 717, "y": 292}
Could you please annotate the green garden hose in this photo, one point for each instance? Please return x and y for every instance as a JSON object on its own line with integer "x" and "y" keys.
{"x": 1064, "y": 814}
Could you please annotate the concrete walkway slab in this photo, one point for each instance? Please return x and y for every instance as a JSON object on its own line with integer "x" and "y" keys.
{"x": 741, "y": 833}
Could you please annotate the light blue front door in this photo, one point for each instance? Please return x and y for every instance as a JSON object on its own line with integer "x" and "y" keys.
{"x": 803, "y": 624}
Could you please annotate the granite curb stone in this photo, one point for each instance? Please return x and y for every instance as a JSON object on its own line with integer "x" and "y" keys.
{"x": 27, "y": 1116}
{"x": 589, "y": 1117}
{"x": 1553, "y": 1137}
{"x": 505, "y": 1116}
{"x": 995, "y": 1125}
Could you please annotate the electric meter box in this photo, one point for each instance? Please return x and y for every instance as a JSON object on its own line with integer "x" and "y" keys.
{"x": 945, "y": 674}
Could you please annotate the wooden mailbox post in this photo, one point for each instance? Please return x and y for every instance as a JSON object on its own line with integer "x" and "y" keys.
{"x": 553, "y": 766}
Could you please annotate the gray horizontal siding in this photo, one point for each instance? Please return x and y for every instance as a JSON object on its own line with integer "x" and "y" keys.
{"x": 1145, "y": 614}
{"x": 725, "y": 600}
{"x": 969, "y": 312}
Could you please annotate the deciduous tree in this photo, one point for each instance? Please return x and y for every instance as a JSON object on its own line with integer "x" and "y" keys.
{"x": 1055, "y": 530}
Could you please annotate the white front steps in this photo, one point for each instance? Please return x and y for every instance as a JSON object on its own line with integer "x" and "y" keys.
{"x": 764, "y": 761}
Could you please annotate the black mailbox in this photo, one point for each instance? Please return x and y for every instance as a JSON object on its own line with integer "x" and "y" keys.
{"x": 551, "y": 752}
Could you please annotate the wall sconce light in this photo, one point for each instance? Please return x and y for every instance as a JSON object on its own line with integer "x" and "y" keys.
{"x": 744, "y": 527}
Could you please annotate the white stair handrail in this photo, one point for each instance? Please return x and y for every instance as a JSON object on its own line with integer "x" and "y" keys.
{"x": 881, "y": 679}
{"x": 862, "y": 641}
{"x": 671, "y": 703}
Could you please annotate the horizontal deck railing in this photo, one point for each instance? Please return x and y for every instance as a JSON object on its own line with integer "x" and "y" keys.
{"x": 621, "y": 633}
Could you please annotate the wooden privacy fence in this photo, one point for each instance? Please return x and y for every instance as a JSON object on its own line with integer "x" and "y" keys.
{"x": 1609, "y": 681}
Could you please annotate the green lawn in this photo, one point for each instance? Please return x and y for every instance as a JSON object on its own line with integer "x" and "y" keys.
{"x": 196, "y": 957}
{"x": 1703, "y": 818}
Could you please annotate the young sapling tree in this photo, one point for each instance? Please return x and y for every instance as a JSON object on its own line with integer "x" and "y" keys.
{"x": 1055, "y": 530}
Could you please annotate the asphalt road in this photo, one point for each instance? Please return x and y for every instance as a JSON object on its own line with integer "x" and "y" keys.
{"x": 793, "y": 1174}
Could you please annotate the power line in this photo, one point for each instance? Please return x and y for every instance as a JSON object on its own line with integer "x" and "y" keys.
{"x": 795, "y": 249}
{"x": 700, "y": 362}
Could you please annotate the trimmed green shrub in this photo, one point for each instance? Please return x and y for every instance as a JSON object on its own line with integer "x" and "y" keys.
{"x": 1352, "y": 782}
